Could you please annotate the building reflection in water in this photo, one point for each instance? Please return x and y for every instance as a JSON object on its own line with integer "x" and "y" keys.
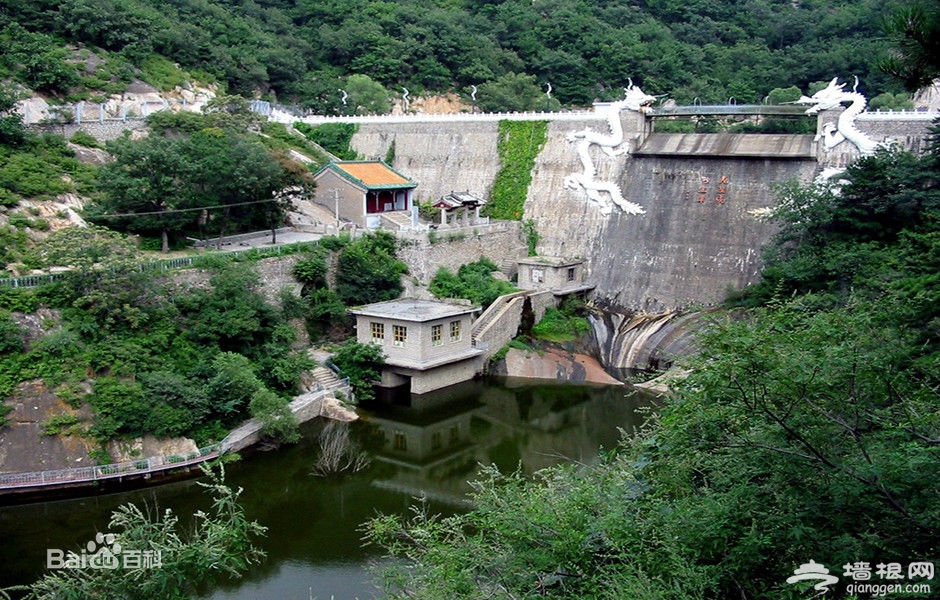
{"x": 432, "y": 445}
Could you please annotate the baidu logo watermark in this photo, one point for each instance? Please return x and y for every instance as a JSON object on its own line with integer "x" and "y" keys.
{"x": 103, "y": 552}
{"x": 866, "y": 581}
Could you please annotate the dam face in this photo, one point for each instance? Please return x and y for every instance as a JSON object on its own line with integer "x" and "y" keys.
{"x": 698, "y": 235}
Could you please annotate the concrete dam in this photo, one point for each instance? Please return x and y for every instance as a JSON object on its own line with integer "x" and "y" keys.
{"x": 665, "y": 222}
{"x": 701, "y": 231}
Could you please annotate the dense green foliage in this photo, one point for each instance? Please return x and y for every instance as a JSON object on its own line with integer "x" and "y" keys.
{"x": 367, "y": 270}
{"x": 563, "y": 324}
{"x": 195, "y": 162}
{"x": 519, "y": 143}
{"x": 162, "y": 359}
{"x": 215, "y": 544}
{"x": 876, "y": 234}
{"x": 42, "y": 167}
{"x": 807, "y": 428}
{"x": 332, "y": 137}
{"x": 362, "y": 364}
{"x": 12, "y": 131}
{"x": 914, "y": 34}
{"x": 473, "y": 281}
{"x": 307, "y": 51}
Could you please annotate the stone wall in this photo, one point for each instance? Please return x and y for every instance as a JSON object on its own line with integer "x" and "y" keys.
{"x": 274, "y": 273}
{"x": 441, "y": 157}
{"x": 500, "y": 242}
{"x": 101, "y": 130}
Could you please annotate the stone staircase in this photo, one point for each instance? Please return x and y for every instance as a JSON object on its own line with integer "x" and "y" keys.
{"x": 326, "y": 378}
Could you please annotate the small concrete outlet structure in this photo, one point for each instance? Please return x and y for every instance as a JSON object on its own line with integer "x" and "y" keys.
{"x": 426, "y": 343}
{"x": 549, "y": 272}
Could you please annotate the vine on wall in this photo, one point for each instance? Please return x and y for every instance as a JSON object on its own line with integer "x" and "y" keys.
{"x": 519, "y": 143}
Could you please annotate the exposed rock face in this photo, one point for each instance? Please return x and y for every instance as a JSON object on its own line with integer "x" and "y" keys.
{"x": 147, "y": 446}
{"x": 91, "y": 156}
{"x": 555, "y": 364}
{"x": 23, "y": 445}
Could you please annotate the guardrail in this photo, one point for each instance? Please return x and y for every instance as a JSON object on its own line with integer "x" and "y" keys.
{"x": 79, "y": 475}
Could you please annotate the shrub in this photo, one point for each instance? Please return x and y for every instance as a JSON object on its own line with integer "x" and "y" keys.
{"x": 83, "y": 138}
{"x": 8, "y": 198}
{"x": 369, "y": 271}
{"x": 327, "y": 314}
{"x": 277, "y": 421}
{"x": 333, "y": 243}
{"x": 233, "y": 384}
{"x": 11, "y": 335}
{"x": 120, "y": 408}
{"x": 311, "y": 272}
{"x": 4, "y": 411}
{"x": 32, "y": 176}
{"x": 362, "y": 363}
{"x": 555, "y": 326}
{"x": 473, "y": 281}
{"x": 60, "y": 424}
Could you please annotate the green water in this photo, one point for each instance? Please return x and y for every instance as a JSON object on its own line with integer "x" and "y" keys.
{"x": 313, "y": 543}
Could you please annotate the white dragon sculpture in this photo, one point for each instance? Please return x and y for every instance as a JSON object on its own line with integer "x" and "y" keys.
{"x": 612, "y": 144}
{"x": 832, "y": 96}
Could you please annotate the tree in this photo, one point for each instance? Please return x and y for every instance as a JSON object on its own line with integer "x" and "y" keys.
{"x": 914, "y": 34}
{"x": 195, "y": 169}
{"x": 213, "y": 545}
{"x": 36, "y": 59}
{"x": 234, "y": 383}
{"x": 83, "y": 247}
{"x": 232, "y": 314}
{"x": 889, "y": 101}
{"x": 12, "y": 131}
{"x": 146, "y": 178}
{"x": 278, "y": 423}
{"x": 369, "y": 271}
{"x": 784, "y": 95}
{"x": 512, "y": 92}
{"x": 368, "y": 97}
{"x": 362, "y": 363}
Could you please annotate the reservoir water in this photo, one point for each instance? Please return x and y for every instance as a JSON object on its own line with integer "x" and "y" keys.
{"x": 429, "y": 449}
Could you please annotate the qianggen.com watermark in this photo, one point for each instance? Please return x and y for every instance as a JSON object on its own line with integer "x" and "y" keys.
{"x": 863, "y": 580}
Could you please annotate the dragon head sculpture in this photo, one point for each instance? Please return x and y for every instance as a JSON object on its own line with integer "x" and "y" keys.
{"x": 827, "y": 98}
{"x": 635, "y": 99}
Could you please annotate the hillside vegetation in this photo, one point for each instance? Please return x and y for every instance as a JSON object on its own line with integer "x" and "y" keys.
{"x": 305, "y": 51}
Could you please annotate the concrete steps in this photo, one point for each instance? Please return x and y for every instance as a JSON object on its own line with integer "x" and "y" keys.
{"x": 326, "y": 378}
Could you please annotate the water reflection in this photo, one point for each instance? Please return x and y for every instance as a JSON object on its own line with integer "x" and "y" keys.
{"x": 420, "y": 446}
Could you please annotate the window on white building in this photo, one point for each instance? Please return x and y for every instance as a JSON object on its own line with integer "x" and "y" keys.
{"x": 399, "y": 335}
